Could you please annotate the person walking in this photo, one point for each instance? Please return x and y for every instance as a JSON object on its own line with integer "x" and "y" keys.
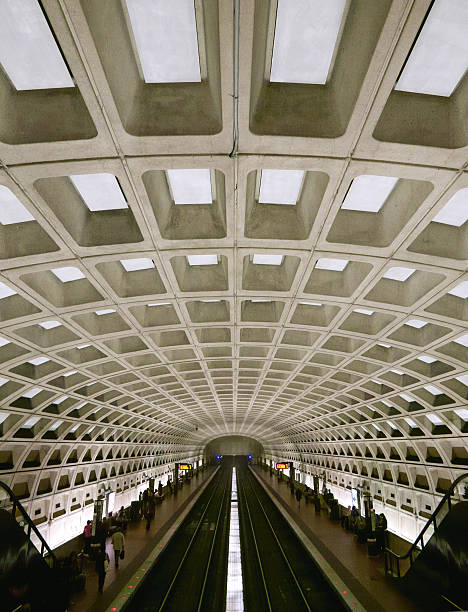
{"x": 149, "y": 511}
{"x": 102, "y": 565}
{"x": 87, "y": 535}
{"x": 118, "y": 544}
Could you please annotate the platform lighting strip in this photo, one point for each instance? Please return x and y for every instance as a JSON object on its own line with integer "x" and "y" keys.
{"x": 234, "y": 590}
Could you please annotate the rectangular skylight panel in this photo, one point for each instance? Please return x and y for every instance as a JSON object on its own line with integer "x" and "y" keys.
{"x": 202, "y": 260}
{"x": 99, "y": 191}
{"x": 460, "y": 290}
{"x": 368, "y": 193}
{"x": 267, "y": 260}
{"x": 166, "y": 39}
{"x": 68, "y": 274}
{"x": 399, "y": 274}
{"x": 190, "y": 186}
{"x": 131, "y": 265}
{"x": 439, "y": 58}
{"x": 28, "y": 51}
{"x": 11, "y": 209}
{"x": 50, "y": 324}
{"x": 455, "y": 212}
{"x": 326, "y": 263}
{"x": 280, "y": 186}
{"x": 306, "y": 36}
{"x": 6, "y": 291}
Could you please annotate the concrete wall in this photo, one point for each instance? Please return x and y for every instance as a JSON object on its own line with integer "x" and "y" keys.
{"x": 233, "y": 445}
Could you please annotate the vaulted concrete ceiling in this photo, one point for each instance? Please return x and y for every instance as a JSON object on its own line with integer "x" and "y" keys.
{"x": 348, "y": 338}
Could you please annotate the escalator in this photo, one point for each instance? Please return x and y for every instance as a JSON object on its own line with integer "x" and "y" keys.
{"x": 29, "y": 577}
{"x": 437, "y": 572}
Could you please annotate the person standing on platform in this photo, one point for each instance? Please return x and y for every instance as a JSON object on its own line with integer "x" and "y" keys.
{"x": 149, "y": 510}
{"x": 298, "y": 496}
{"x": 87, "y": 535}
{"x": 102, "y": 565}
{"x": 118, "y": 543}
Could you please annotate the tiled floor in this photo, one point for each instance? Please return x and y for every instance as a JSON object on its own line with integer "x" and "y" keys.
{"x": 363, "y": 575}
{"x": 138, "y": 544}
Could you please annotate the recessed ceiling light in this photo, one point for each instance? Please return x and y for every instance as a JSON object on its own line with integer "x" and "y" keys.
{"x": 32, "y": 392}
{"x": 74, "y": 428}
{"x": 132, "y": 265}
{"x": 68, "y": 274}
{"x": 267, "y": 260}
{"x": 392, "y": 425}
{"x": 382, "y": 344}
{"x": 463, "y": 379}
{"x": 60, "y": 399}
{"x": 426, "y": 359}
{"x": 463, "y": 340}
{"x": 280, "y": 186}
{"x": 3, "y": 381}
{"x": 202, "y": 260}
{"x": 434, "y": 419}
{"x": 417, "y": 323}
{"x": 433, "y": 390}
{"x": 38, "y": 361}
{"x": 6, "y": 291}
{"x": 190, "y": 186}
{"x": 368, "y": 193}
{"x": 399, "y": 372}
{"x": 439, "y": 57}
{"x": 70, "y": 373}
{"x": 80, "y": 348}
{"x": 462, "y": 413}
{"x": 210, "y": 301}
{"x": 166, "y": 39}
{"x": 99, "y": 191}
{"x": 105, "y": 311}
{"x": 55, "y": 425}
{"x": 460, "y": 290}
{"x": 455, "y": 212}
{"x": 311, "y": 303}
{"x": 364, "y": 311}
{"x": 11, "y": 209}
{"x": 28, "y": 51}
{"x": 159, "y": 304}
{"x": 306, "y": 36}
{"x": 398, "y": 273}
{"x": 406, "y": 397}
{"x": 4, "y": 341}
{"x": 410, "y": 422}
{"x": 30, "y": 422}
{"x": 326, "y": 263}
{"x": 50, "y": 324}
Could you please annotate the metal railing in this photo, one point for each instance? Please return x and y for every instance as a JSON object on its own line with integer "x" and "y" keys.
{"x": 29, "y": 527}
{"x": 393, "y": 559}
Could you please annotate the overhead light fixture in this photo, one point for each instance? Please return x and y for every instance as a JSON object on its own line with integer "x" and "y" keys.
{"x": 426, "y": 359}
{"x": 68, "y": 274}
{"x": 462, "y": 340}
{"x": 434, "y": 419}
{"x": 99, "y": 191}
{"x": 398, "y": 273}
{"x": 166, "y": 40}
{"x": 11, "y": 209}
{"x": 364, "y": 311}
{"x": 50, "y": 324}
{"x": 202, "y": 260}
{"x": 311, "y": 303}
{"x": 280, "y": 186}
{"x": 267, "y": 260}
{"x": 410, "y": 422}
{"x": 306, "y": 35}
{"x": 30, "y": 422}
{"x": 416, "y": 323}
{"x": 326, "y": 263}
{"x": 28, "y": 51}
{"x": 32, "y": 392}
{"x": 460, "y": 291}
{"x": 4, "y": 341}
{"x": 368, "y": 192}
{"x": 105, "y": 311}
{"x": 190, "y": 186}
{"x": 37, "y": 361}
{"x": 433, "y": 390}
{"x": 6, "y": 291}
{"x": 455, "y": 212}
{"x": 439, "y": 57}
{"x": 133, "y": 265}
{"x": 159, "y": 304}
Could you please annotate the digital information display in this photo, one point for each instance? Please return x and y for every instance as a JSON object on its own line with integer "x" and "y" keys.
{"x": 185, "y": 466}
{"x": 282, "y": 466}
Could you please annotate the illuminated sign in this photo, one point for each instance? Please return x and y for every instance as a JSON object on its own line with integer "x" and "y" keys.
{"x": 282, "y": 466}
{"x": 185, "y": 466}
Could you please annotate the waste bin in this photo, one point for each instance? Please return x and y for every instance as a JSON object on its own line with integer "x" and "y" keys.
{"x": 372, "y": 549}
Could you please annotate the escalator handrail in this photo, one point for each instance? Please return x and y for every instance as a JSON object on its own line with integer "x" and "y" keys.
{"x": 17, "y": 504}
{"x": 447, "y": 497}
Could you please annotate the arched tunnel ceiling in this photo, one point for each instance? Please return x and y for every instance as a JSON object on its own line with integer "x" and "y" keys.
{"x": 355, "y": 327}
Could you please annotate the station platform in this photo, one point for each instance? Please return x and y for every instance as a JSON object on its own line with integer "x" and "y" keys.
{"x": 138, "y": 545}
{"x": 364, "y": 575}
